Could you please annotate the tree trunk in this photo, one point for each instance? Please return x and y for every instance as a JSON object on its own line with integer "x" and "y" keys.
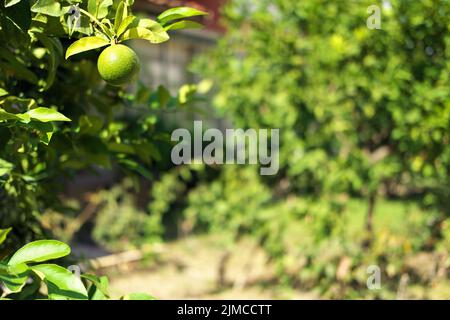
{"x": 223, "y": 263}
{"x": 369, "y": 219}
{"x": 222, "y": 271}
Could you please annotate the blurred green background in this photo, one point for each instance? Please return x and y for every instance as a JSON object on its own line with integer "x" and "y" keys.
{"x": 364, "y": 119}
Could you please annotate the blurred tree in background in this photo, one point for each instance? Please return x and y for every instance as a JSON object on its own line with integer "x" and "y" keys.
{"x": 362, "y": 114}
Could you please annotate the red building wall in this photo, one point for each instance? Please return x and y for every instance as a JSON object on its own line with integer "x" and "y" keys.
{"x": 213, "y": 7}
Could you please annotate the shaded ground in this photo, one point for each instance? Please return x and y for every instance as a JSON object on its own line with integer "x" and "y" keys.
{"x": 188, "y": 269}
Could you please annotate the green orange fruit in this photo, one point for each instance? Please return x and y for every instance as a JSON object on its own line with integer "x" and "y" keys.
{"x": 118, "y": 65}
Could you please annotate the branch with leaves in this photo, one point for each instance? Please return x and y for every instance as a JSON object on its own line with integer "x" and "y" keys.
{"x": 23, "y": 274}
{"x": 126, "y": 26}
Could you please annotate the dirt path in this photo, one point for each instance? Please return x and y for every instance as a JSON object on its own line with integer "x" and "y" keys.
{"x": 187, "y": 269}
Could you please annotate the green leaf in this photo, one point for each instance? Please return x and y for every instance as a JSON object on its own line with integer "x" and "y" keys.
{"x": 147, "y": 24}
{"x": 16, "y": 277}
{"x": 61, "y": 283}
{"x": 48, "y": 7}
{"x": 4, "y": 269}
{"x": 146, "y": 34}
{"x": 19, "y": 104}
{"x": 99, "y": 287}
{"x": 46, "y": 115}
{"x": 124, "y": 25}
{"x": 30, "y": 291}
{"x": 5, "y": 168}
{"x": 99, "y": 8}
{"x": 179, "y": 13}
{"x": 10, "y": 3}
{"x": 134, "y": 166}
{"x": 185, "y": 24}
{"x": 155, "y": 32}
{"x": 53, "y": 53}
{"x": 95, "y": 294}
{"x": 45, "y": 130}
{"x": 138, "y": 296}
{"x": 8, "y": 116}
{"x": 3, "y": 92}
{"x": 4, "y": 232}
{"x": 103, "y": 8}
{"x": 186, "y": 93}
{"x": 121, "y": 14}
{"x": 92, "y": 7}
{"x": 38, "y": 251}
{"x": 86, "y": 44}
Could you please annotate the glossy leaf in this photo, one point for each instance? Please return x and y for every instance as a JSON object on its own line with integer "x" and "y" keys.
{"x": 61, "y": 283}
{"x": 121, "y": 15}
{"x": 99, "y": 287}
{"x": 38, "y": 251}
{"x": 4, "y": 115}
{"x": 147, "y": 24}
{"x": 185, "y": 24}
{"x": 46, "y": 115}
{"x": 99, "y": 8}
{"x": 48, "y": 7}
{"x": 179, "y": 13}
{"x": 146, "y": 34}
{"x": 127, "y": 22}
{"x": 92, "y": 7}
{"x": 86, "y": 44}
{"x": 4, "y": 165}
{"x": 15, "y": 278}
{"x": 103, "y": 8}
{"x": 29, "y": 291}
{"x": 10, "y": 3}
{"x": 3, "y": 92}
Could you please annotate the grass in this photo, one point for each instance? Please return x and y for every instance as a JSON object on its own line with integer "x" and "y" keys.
{"x": 395, "y": 216}
{"x": 189, "y": 267}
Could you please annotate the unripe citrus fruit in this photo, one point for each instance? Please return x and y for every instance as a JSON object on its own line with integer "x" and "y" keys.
{"x": 118, "y": 64}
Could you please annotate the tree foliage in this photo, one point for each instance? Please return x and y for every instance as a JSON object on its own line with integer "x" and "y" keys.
{"x": 23, "y": 274}
{"x": 360, "y": 111}
{"x": 57, "y": 116}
